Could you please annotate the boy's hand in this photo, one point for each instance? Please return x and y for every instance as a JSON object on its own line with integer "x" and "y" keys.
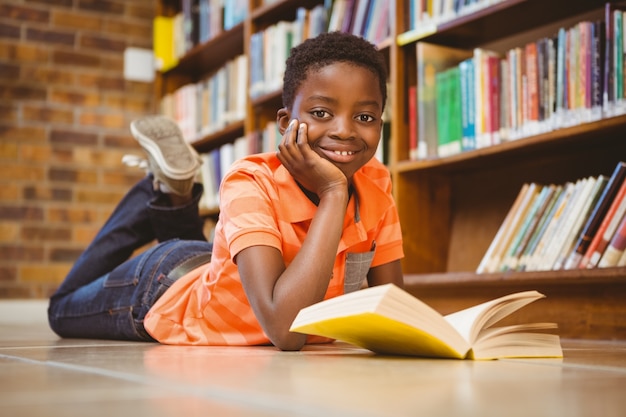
{"x": 313, "y": 172}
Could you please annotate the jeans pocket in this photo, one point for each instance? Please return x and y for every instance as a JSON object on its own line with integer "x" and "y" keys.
{"x": 357, "y": 267}
{"x": 122, "y": 276}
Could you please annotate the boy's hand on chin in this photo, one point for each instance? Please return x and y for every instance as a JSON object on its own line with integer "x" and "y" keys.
{"x": 313, "y": 172}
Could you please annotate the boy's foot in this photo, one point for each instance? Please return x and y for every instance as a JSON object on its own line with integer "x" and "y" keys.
{"x": 172, "y": 161}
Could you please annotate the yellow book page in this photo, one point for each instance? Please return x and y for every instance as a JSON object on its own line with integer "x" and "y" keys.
{"x": 382, "y": 335}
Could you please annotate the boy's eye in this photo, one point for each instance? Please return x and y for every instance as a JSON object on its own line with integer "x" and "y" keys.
{"x": 319, "y": 113}
{"x": 365, "y": 118}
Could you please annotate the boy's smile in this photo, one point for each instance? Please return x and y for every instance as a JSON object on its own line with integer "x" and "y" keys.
{"x": 341, "y": 104}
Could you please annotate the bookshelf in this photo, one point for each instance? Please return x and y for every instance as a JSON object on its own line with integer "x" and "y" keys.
{"x": 452, "y": 207}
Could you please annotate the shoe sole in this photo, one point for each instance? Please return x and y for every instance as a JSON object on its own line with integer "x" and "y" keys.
{"x": 156, "y": 132}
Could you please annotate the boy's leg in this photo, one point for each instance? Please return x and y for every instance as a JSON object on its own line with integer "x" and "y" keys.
{"x": 137, "y": 220}
{"x": 114, "y": 305}
{"x": 146, "y": 213}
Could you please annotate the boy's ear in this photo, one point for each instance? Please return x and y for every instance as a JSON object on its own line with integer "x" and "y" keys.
{"x": 283, "y": 117}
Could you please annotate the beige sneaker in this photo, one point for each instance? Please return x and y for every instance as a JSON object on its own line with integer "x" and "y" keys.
{"x": 172, "y": 161}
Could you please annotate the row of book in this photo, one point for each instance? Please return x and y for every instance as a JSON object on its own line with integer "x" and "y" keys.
{"x": 424, "y": 15}
{"x": 216, "y": 163}
{"x": 369, "y": 19}
{"x": 468, "y": 99}
{"x": 211, "y": 104}
{"x": 197, "y": 22}
{"x": 270, "y": 48}
{"x": 576, "y": 225}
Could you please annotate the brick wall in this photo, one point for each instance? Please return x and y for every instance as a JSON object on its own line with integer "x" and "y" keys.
{"x": 64, "y": 114}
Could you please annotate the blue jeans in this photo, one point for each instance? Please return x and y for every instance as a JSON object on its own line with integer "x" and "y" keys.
{"x": 106, "y": 295}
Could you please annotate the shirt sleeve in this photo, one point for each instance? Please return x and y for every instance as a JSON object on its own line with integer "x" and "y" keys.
{"x": 247, "y": 210}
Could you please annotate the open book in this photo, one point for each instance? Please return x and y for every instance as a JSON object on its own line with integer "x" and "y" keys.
{"x": 388, "y": 320}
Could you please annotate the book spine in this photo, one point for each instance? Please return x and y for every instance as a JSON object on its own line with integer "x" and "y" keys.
{"x": 540, "y": 229}
{"x": 612, "y": 224}
{"x": 597, "y": 215}
{"x": 502, "y": 236}
{"x": 616, "y": 247}
{"x": 593, "y": 248}
{"x": 412, "y": 100}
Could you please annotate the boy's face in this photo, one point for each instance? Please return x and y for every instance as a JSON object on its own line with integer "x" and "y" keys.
{"x": 341, "y": 104}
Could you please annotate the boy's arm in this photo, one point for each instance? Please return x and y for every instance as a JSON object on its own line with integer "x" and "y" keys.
{"x": 277, "y": 293}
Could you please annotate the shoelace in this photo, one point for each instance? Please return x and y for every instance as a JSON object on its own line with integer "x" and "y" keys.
{"x": 135, "y": 161}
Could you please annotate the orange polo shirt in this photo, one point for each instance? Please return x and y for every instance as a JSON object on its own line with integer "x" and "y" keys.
{"x": 261, "y": 204}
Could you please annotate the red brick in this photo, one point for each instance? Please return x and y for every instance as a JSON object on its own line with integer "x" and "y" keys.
{"x": 61, "y": 3}
{"x": 23, "y": 133}
{"x": 71, "y": 137}
{"x": 8, "y": 150}
{"x": 72, "y": 215}
{"x": 65, "y": 254}
{"x": 70, "y": 19}
{"x": 102, "y": 43}
{"x": 50, "y": 36}
{"x": 8, "y": 113}
{"x": 22, "y": 92}
{"x": 102, "y": 6}
{"x": 25, "y": 14}
{"x": 18, "y": 253}
{"x": 8, "y": 273}
{"x": 140, "y": 105}
{"x": 89, "y": 118}
{"x": 41, "y": 193}
{"x": 144, "y": 10}
{"x": 41, "y": 273}
{"x": 45, "y": 234}
{"x": 101, "y": 82}
{"x": 120, "y": 141}
{"x": 18, "y": 172}
{"x": 35, "y": 153}
{"x": 98, "y": 196}
{"x": 76, "y": 59}
{"x": 9, "y": 71}
{"x": 10, "y": 192}
{"x": 47, "y": 75}
{"x": 24, "y": 52}
{"x": 9, "y": 31}
{"x": 20, "y": 213}
{"x": 113, "y": 63}
{"x": 48, "y": 114}
{"x": 75, "y": 97}
{"x": 140, "y": 33}
{"x": 73, "y": 175}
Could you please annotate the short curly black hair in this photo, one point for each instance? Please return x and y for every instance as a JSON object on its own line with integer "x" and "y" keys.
{"x": 328, "y": 48}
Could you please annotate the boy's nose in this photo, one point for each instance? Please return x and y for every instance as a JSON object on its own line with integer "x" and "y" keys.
{"x": 342, "y": 128}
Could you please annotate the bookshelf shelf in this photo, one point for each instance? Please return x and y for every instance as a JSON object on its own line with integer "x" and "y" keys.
{"x": 586, "y": 135}
{"x": 209, "y": 56}
{"x": 216, "y": 139}
{"x": 498, "y": 20}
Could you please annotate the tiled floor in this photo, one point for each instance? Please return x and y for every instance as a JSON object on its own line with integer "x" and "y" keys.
{"x": 41, "y": 375}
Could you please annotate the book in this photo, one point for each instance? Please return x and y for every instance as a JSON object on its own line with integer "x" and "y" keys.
{"x": 612, "y": 220}
{"x": 430, "y": 60}
{"x": 490, "y": 260}
{"x": 616, "y": 248}
{"x": 533, "y": 262}
{"x": 593, "y": 251}
{"x": 597, "y": 215}
{"x": 541, "y": 227}
{"x": 388, "y": 320}
{"x": 163, "y": 39}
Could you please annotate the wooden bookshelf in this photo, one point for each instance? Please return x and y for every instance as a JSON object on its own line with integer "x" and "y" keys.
{"x": 451, "y": 208}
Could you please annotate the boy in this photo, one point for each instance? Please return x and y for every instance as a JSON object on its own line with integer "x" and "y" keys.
{"x": 311, "y": 221}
